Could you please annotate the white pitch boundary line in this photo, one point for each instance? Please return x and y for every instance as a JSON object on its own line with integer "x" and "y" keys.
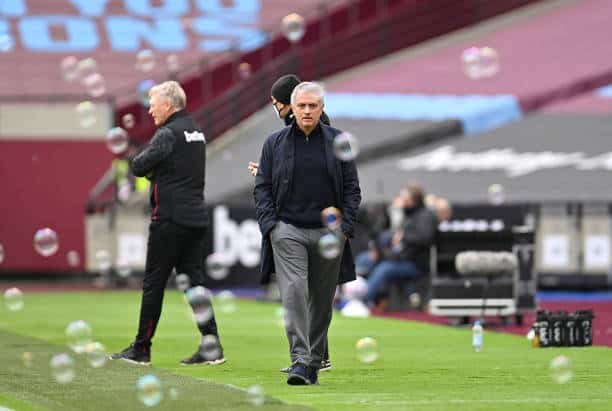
{"x": 451, "y": 401}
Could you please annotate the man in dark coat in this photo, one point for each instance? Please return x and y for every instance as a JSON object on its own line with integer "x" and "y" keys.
{"x": 298, "y": 177}
{"x": 280, "y": 94}
{"x": 175, "y": 161}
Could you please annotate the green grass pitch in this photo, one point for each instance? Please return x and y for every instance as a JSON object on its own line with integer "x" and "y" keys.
{"x": 421, "y": 366}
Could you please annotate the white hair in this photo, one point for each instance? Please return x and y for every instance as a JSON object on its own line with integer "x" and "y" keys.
{"x": 308, "y": 87}
{"x": 172, "y": 91}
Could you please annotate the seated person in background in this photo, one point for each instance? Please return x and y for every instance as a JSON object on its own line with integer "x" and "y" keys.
{"x": 408, "y": 256}
{"x": 443, "y": 209}
{"x": 366, "y": 260}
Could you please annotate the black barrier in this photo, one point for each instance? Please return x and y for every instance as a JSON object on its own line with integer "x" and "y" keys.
{"x": 561, "y": 329}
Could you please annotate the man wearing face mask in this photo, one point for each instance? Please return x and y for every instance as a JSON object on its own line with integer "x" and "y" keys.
{"x": 409, "y": 254}
{"x": 280, "y": 94}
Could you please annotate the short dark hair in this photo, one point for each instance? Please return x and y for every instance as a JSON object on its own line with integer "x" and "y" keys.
{"x": 417, "y": 193}
{"x": 283, "y": 87}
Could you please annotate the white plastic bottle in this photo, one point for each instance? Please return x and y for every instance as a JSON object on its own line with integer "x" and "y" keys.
{"x": 477, "y": 336}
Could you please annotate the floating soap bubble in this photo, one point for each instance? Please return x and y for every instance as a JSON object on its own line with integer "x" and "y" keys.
{"x": 210, "y": 348}
{"x": 226, "y": 301}
{"x": 78, "y": 335}
{"x": 46, "y": 242}
{"x": 367, "y": 350}
{"x": 117, "y": 140}
{"x": 6, "y": 43}
{"x": 332, "y": 218}
{"x": 329, "y": 246}
{"x": 124, "y": 191}
{"x": 143, "y": 91}
{"x": 13, "y": 299}
{"x": 86, "y": 68}
{"x": 282, "y": 318}
{"x": 62, "y": 368}
{"x": 173, "y": 393}
{"x": 128, "y": 120}
{"x": 415, "y": 300}
{"x": 561, "y": 369}
{"x": 293, "y": 27}
{"x": 200, "y": 300}
{"x": 145, "y": 60}
{"x": 123, "y": 268}
{"x": 150, "y": 391}
{"x": 496, "y": 194}
{"x": 173, "y": 63}
{"x": 86, "y": 114}
{"x": 356, "y": 289}
{"x": 27, "y": 359}
{"x": 183, "y": 282}
{"x": 256, "y": 395}
{"x": 69, "y": 68}
{"x": 244, "y": 70}
{"x": 480, "y": 62}
{"x": 96, "y": 354}
{"x": 103, "y": 261}
{"x": 346, "y": 146}
{"x": 95, "y": 85}
{"x": 216, "y": 266}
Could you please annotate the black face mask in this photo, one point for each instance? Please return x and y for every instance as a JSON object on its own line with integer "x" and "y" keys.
{"x": 410, "y": 210}
{"x": 289, "y": 118}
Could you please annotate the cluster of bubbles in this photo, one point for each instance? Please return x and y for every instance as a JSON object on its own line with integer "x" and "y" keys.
{"x": 480, "y": 62}
{"x": 366, "y": 349}
{"x": 79, "y": 336}
{"x": 79, "y": 339}
{"x": 330, "y": 245}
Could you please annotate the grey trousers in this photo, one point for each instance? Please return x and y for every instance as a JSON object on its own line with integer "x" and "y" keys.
{"x": 307, "y": 283}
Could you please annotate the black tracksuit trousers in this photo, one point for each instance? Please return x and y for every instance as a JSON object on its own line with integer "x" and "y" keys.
{"x": 169, "y": 246}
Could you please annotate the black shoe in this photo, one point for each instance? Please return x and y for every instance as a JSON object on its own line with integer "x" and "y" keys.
{"x": 325, "y": 365}
{"x": 298, "y": 375}
{"x": 133, "y": 355}
{"x": 312, "y": 374}
{"x": 199, "y": 359}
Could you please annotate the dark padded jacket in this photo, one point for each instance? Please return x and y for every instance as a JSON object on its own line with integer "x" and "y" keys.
{"x": 274, "y": 179}
{"x": 175, "y": 161}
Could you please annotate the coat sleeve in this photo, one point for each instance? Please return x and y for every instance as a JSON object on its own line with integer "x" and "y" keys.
{"x": 157, "y": 150}
{"x": 423, "y": 231}
{"x": 265, "y": 207}
{"x": 352, "y": 197}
